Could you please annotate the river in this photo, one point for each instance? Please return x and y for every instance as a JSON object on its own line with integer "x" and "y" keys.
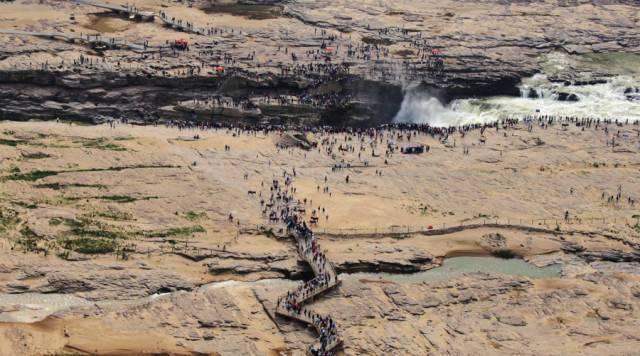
{"x": 618, "y": 98}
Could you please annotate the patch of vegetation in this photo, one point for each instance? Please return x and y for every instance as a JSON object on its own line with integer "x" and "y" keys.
{"x": 269, "y": 233}
{"x": 193, "y": 216}
{"x": 118, "y": 198}
{"x": 58, "y": 186}
{"x": 401, "y": 237}
{"x": 29, "y": 240}
{"x": 89, "y": 236}
{"x": 175, "y": 232}
{"x": 113, "y": 198}
{"x": 100, "y": 143}
{"x": 9, "y": 132}
{"x": 8, "y": 219}
{"x": 122, "y": 168}
{"x": 86, "y": 227}
{"x": 113, "y": 215}
{"x": 124, "y": 198}
{"x": 506, "y": 254}
{"x": 55, "y": 221}
{"x": 26, "y": 205}
{"x": 12, "y": 143}
{"x": 30, "y": 176}
{"x": 90, "y": 246}
{"x": 35, "y": 175}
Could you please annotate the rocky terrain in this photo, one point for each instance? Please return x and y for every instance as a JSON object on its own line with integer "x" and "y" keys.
{"x": 331, "y": 62}
{"x": 116, "y": 240}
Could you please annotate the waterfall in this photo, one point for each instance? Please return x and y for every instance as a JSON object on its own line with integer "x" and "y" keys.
{"x": 615, "y": 99}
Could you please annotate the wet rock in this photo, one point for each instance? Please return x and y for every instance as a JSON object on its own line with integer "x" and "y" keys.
{"x": 567, "y": 97}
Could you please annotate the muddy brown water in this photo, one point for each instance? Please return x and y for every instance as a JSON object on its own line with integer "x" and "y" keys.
{"x": 106, "y": 24}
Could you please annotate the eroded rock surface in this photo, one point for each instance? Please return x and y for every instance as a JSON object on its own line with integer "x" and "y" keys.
{"x": 391, "y": 43}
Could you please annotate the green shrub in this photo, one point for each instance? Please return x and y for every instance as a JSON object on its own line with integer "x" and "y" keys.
{"x": 90, "y": 245}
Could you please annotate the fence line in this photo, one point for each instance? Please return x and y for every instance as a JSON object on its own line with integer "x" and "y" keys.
{"x": 187, "y": 245}
{"x": 550, "y": 223}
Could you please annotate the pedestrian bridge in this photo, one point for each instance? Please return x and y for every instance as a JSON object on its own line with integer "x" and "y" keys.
{"x": 326, "y": 279}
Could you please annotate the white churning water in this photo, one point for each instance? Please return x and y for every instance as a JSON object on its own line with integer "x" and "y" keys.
{"x": 606, "y": 100}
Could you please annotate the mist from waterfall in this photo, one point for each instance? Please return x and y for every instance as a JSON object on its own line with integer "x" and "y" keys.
{"x": 618, "y": 98}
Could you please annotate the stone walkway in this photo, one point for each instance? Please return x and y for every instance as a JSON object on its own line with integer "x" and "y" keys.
{"x": 326, "y": 278}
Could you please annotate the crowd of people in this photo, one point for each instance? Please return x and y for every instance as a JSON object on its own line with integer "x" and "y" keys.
{"x": 280, "y": 204}
{"x": 328, "y": 137}
{"x": 326, "y": 278}
{"x": 333, "y": 56}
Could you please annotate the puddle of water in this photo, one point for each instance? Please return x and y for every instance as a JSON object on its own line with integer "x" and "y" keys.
{"x": 456, "y": 266}
{"x": 32, "y": 307}
{"x": 252, "y": 12}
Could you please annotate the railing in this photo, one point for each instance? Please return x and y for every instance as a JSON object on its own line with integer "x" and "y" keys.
{"x": 305, "y": 293}
{"x": 543, "y": 223}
